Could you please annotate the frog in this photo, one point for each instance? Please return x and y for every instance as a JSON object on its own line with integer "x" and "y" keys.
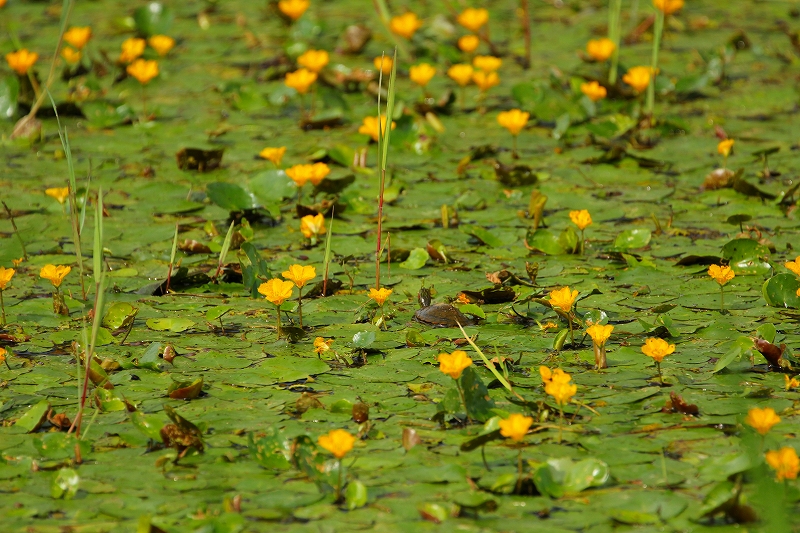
{"x": 439, "y": 315}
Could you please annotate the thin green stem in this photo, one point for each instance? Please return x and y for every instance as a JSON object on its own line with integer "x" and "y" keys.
{"x": 3, "y": 307}
{"x": 463, "y": 399}
{"x": 571, "y": 330}
{"x": 660, "y": 376}
{"x": 300, "y": 306}
{"x": 519, "y": 472}
{"x": 721, "y": 299}
{"x": 278, "y": 323}
{"x": 614, "y": 9}
{"x": 651, "y": 89}
{"x": 339, "y": 482}
{"x": 560, "y": 422}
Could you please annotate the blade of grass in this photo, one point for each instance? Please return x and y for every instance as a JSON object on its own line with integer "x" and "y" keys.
{"x": 73, "y": 202}
{"x": 384, "y": 137}
{"x": 614, "y": 30}
{"x": 328, "y": 254}
{"x": 66, "y": 11}
{"x": 172, "y": 257}
{"x": 490, "y": 365}
{"x": 99, "y": 297}
{"x": 226, "y": 244}
{"x": 658, "y": 30}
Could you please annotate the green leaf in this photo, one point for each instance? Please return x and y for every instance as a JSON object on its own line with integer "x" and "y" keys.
{"x": 9, "y": 92}
{"x": 363, "y": 339}
{"x": 558, "y": 477}
{"x": 747, "y": 257}
{"x": 781, "y": 291}
{"x": 272, "y": 450}
{"x": 356, "y": 495}
{"x": 545, "y": 241}
{"x": 147, "y": 424}
{"x": 175, "y": 325}
{"x": 476, "y": 395}
{"x": 34, "y": 417}
{"x": 487, "y": 237}
{"x": 65, "y": 484}
{"x": 120, "y": 314}
{"x": 632, "y": 238}
{"x": 416, "y": 259}
{"x": 153, "y": 19}
{"x": 231, "y": 197}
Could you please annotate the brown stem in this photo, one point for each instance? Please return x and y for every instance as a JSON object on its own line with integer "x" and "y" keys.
{"x": 51, "y": 75}
{"x": 88, "y": 361}
{"x": 526, "y": 28}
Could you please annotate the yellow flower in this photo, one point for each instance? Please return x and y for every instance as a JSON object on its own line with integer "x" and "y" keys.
{"x": 794, "y": 266}
{"x": 131, "y": 49}
{"x": 461, "y": 73}
{"x": 162, "y": 44}
{"x": 406, "y": 25}
{"x": 561, "y": 391}
{"x": 314, "y": 60}
{"x": 581, "y": 218}
{"x": 453, "y": 364}
{"x": 594, "y": 91}
{"x": 380, "y": 296}
{"x": 2, "y": 350}
{"x": 563, "y": 299}
{"x": 421, "y": 74}
{"x": 553, "y": 376}
{"x": 724, "y": 147}
{"x": 485, "y": 80}
{"x": 322, "y": 345}
{"x": 5, "y": 276}
{"x": 71, "y": 55}
{"x": 273, "y": 154}
{"x": 785, "y": 463}
{"x": 54, "y": 274}
{"x": 338, "y": 442}
{"x": 21, "y": 60}
{"x": 143, "y": 70}
{"x": 762, "y": 420}
{"x": 599, "y": 333}
{"x": 293, "y": 9}
{"x": 468, "y": 43}
{"x": 370, "y": 127}
{"x": 657, "y": 348}
{"x": 300, "y": 80}
{"x": 487, "y": 63}
{"x": 600, "y": 49}
{"x": 638, "y": 78}
{"x": 515, "y": 427}
{"x": 721, "y": 275}
{"x": 78, "y": 36}
{"x": 300, "y": 274}
{"x": 301, "y": 174}
{"x": 312, "y": 225}
{"x": 383, "y": 63}
{"x": 668, "y": 6}
{"x": 318, "y": 173}
{"x": 792, "y": 383}
{"x": 473, "y": 19}
{"x": 276, "y": 290}
{"x": 513, "y": 120}
{"x": 60, "y": 194}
